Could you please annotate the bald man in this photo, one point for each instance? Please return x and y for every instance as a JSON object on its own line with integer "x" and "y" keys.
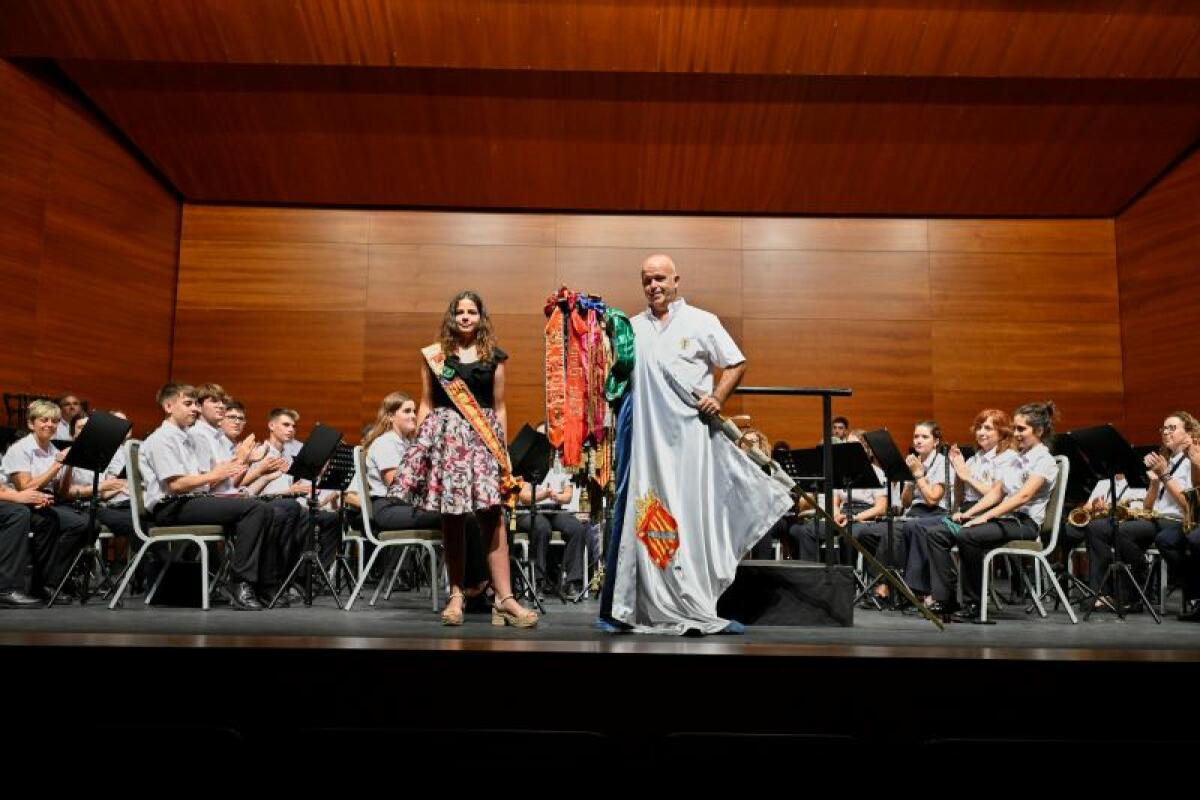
{"x": 693, "y": 504}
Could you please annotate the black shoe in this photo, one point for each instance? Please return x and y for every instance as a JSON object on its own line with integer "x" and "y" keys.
{"x": 242, "y": 597}
{"x": 968, "y": 613}
{"x": 266, "y": 597}
{"x": 944, "y": 610}
{"x": 571, "y": 589}
{"x": 15, "y": 598}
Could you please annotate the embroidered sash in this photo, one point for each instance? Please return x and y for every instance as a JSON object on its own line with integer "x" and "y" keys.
{"x": 460, "y": 394}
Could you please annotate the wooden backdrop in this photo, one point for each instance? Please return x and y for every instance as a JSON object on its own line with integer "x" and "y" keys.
{"x": 1158, "y": 244}
{"x": 88, "y": 244}
{"x": 324, "y": 310}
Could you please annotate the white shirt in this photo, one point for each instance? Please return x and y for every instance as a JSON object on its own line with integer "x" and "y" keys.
{"x": 83, "y": 477}
{"x": 692, "y": 343}
{"x": 935, "y": 475}
{"x": 281, "y": 484}
{"x": 212, "y": 448}
{"x": 1035, "y": 461}
{"x": 985, "y": 468}
{"x": 166, "y": 454}
{"x": 1182, "y": 476}
{"x": 1124, "y": 493}
{"x": 63, "y": 431}
{"x": 867, "y": 496}
{"x": 385, "y": 453}
{"x": 24, "y": 455}
{"x": 556, "y": 480}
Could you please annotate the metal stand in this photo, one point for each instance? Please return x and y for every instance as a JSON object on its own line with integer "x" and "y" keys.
{"x": 1117, "y": 568}
{"x": 310, "y": 559}
{"x": 88, "y": 558}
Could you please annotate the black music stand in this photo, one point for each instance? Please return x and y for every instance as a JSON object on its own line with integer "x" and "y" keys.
{"x": 852, "y": 470}
{"x": 530, "y": 455}
{"x": 896, "y": 472}
{"x": 336, "y": 478}
{"x": 308, "y": 465}
{"x": 101, "y": 437}
{"x": 1109, "y": 454}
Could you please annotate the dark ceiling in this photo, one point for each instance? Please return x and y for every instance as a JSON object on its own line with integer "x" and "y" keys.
{"x": 885, "y": 107}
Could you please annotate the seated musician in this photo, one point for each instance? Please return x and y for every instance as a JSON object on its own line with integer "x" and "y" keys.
{"x": 394, "y": 429}
{"x": 1159, "y": 521}
{"x": 1186, "y": 566}
{"x": 1012, "y": 509}
{"x": 556, "y": 508}
{"x": 20, "y": 513}
{"x": 178, "y": 492}
{"x": 924, "y": 497}
{"x": 281, "y": 492}
{"x": 764, "y": 548}
{"x": 33, "y": 462}
{"x": 72, "y": 409}
{"x": 975, "y": 478}
{"x": 113, "y": 511}
{"x": 1097, "y": 506}
{"x": 859, "y": 506}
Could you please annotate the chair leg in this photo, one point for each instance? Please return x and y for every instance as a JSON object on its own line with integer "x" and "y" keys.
{"x": 1058, "y": 588}
{"x": 203, "y": 574}
{"x": 434, "y": 575}
{"x": 983, "y": 592}
{"x": 395, "y": 577}
{"x": 162, "y": 573}
{"x": 130, "y": 571}
{"x": 362, "y": 577}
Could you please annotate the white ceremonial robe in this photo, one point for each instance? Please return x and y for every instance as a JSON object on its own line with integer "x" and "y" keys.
{"x": 696, "y": 504}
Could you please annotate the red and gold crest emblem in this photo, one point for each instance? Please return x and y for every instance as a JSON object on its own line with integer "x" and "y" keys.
{"x": 656, "y": 529}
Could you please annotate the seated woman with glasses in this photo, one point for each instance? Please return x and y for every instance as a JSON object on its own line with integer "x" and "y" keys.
{"x": 1159, "y": 520}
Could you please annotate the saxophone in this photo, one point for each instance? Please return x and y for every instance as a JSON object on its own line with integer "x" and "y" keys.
{"x": 1081, "y": 514}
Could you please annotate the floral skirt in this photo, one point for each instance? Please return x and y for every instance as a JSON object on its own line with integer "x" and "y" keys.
{"x": 448, "y": 469}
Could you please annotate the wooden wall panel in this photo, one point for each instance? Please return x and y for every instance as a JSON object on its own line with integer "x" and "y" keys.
{"x": 1024, "y": 286}
{"x": 1157, "y": 242}
{"x": 1021, "y": 236}
{"x": 88, "y": 246}
{"x": 809, "y": 284}
{"x": 423, "y": 278}
{"x": 877, "y": 319}
{"x": 297, "y": 276}
{"x": 1033, "y": 357}
{"x": 273, "y": 358}
{"x": 26, "y": 134}
{"x": 273, "y": 225}
{"x": 888, "y": 235}
{"x": 429, "y": 227}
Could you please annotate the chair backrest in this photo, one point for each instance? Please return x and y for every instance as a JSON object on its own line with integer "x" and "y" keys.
{"x": 364, "y": 494}
{"x": 1054, "y": 508}
{"x": 133, "y": 481}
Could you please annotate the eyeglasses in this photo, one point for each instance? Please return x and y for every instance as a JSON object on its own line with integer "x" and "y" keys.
{"x": 1169, "y": 428}
{"x": 234, "y": 418}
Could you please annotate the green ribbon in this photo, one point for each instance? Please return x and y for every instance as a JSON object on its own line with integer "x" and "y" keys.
{"x": 620, "y": 333}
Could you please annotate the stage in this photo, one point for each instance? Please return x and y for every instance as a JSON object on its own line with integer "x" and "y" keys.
{"x": 394, "y": 677}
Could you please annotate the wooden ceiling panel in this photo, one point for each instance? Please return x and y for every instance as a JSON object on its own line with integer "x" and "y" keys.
{"x": 1084, "y": 38}
{"x": 639, "y": 142}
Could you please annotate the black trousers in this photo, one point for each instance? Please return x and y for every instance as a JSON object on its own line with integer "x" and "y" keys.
{"x": 764, "y": 548}
{"x": 391, "y": 515}
{"x": 539, "y": 526}
{"x": 873, "y": 535}
{"x": 975, "y": 542}
{"x": 289, "y": 533}
{"x": 1133, "y": 538}
{"x": 247, "y": 522}
{"x": 15, "y": 521}
{"x": 72, "y": 537}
